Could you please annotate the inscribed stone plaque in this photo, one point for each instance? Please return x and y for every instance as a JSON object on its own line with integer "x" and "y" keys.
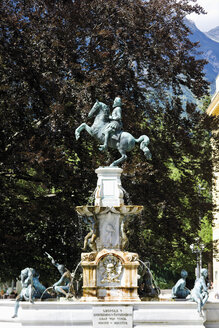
{"x": 108, "y": 188}
{"x": 113, "y": 316}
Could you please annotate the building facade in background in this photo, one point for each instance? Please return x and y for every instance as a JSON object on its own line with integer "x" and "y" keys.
{"x": 213, "y": 110}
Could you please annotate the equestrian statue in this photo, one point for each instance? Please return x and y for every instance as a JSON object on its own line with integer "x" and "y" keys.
{"x": 108, "y": 130}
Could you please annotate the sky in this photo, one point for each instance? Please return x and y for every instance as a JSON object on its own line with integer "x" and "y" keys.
{"x": 211, "y": 19}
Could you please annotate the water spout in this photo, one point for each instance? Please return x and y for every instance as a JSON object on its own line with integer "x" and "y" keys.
{"x": 147, "y": 285}
{"x": 92, "y": 198}
{"x": 127, "y": 196}
{"x": 77, "y": 287}
{"x": 73, "y": 273}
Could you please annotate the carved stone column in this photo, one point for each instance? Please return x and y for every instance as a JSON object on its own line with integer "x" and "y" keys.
{"x": 109, "y": 272}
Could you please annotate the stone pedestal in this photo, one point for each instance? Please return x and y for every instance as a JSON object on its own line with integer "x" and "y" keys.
{"x": 109, "y": 272}
{"x": 110, "y": 276}
{"x": 109, "y": 190}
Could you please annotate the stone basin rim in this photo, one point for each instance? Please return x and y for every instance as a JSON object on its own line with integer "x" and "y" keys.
{"x": 103, "y": 207}
{"x": 122, "y": 209}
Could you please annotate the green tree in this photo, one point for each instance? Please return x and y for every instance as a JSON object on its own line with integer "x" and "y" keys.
{"x": 56, "y": 58}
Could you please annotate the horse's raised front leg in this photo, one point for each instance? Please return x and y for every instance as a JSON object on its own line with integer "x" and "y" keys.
{"x": 82, "y": 127}
{"x": 121, "y": 159}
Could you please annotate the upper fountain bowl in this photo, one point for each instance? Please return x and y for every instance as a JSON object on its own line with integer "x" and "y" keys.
{"x": 88, "y": 210}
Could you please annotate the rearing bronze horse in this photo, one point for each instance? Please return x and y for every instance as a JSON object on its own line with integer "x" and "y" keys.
{"x": 124, "y": 142}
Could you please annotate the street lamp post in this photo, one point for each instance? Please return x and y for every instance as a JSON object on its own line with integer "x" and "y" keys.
{"x": 198, "y": 248}
{"x": 202, "y": 246}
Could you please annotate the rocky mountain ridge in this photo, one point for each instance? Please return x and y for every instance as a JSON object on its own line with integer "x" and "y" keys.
{"x": 213, "y": 34}
{"x": 209, "y": 49}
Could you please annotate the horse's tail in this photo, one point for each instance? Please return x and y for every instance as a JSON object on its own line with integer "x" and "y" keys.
{"x": 144, "y": 142}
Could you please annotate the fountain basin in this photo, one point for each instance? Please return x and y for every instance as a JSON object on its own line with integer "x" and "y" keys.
{"x": 80, "y": 314}
{"x": 125, "y": 210}
{"x": 108, "y": 224}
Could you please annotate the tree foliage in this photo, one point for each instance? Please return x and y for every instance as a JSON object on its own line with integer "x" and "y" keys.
{"x": 56, "y": 58}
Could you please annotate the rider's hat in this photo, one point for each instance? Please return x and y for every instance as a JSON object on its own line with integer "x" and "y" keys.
{"x": 117, "y": 102}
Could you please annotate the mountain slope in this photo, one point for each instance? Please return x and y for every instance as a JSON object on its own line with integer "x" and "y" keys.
{"x": 213, "y": 34}
{"x": 210, "y": 52}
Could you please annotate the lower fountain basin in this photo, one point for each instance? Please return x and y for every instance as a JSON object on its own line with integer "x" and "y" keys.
{"x": 144, "y": 314}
